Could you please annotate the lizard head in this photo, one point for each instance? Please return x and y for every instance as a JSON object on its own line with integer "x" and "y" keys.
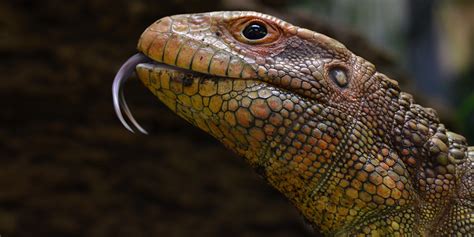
{"x": 246, "y": 77}
{"x": 286, "y": 98}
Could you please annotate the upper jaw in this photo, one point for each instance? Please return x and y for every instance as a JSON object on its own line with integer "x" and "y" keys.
{"x": 162, "y": 43}
{"x": 155, "y": 65}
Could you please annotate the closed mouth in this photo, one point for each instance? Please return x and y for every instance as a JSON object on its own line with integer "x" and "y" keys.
{"x": 185, "y": 76}
{"x": 151, "y": 64}
{"x": 140, "y": 60}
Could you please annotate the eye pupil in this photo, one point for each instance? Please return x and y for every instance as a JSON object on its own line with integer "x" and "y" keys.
{"x": 254, "y": 31}
{"x": 339, "y": 76}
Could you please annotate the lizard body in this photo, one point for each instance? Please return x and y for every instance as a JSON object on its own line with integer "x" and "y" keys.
{"x": 340, "y": 140}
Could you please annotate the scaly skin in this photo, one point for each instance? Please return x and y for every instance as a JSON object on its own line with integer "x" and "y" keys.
{"x": 353, "y": 153}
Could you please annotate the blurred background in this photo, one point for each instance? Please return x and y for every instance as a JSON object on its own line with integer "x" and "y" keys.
{"x": 69, "y": 168}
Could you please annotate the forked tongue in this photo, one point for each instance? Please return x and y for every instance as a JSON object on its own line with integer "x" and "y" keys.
{"x": 120, "y": 104}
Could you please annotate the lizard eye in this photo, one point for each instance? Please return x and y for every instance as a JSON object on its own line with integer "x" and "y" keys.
{"x": 251, "y": 31}
{"x": 254, "y": 31}
{"x": 339, "y": 76}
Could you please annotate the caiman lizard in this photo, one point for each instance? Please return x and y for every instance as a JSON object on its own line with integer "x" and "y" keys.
{"x": 353, "y": 153}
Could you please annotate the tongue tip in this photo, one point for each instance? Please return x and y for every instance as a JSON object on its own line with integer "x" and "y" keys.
{"x": 120, "y": 105}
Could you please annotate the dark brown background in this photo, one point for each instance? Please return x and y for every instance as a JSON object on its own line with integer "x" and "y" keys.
{"x": 69, "y": 168}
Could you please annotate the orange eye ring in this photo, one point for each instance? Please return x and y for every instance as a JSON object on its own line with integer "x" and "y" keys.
{"x": 254, "y": 31}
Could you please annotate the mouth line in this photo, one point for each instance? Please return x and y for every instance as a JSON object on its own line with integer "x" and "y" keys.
{"x": 163, "y": 66}
{"x": 186, "y": 76}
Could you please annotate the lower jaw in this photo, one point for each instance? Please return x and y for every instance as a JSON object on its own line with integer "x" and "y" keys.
{"x": 181, "y": 82}
{"x": 220, "y": 106}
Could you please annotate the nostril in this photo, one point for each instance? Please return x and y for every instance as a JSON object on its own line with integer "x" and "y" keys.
{"x": 187, "y": 80}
